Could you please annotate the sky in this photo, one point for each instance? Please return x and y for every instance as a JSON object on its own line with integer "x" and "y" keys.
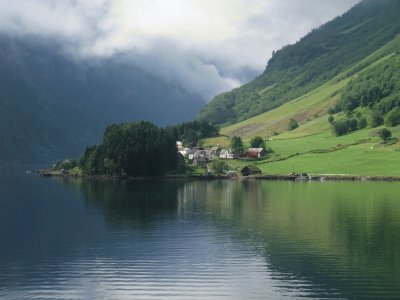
{"x": 206, "y": 46}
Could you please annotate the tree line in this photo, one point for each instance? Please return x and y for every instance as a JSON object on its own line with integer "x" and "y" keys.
{"x": 371, "y": 99}
{"x": 142, "y": 148}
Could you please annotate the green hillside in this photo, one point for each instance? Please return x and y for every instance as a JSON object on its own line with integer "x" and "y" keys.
{"x": 314, "y": 147}
{"x": 298, "y": 69}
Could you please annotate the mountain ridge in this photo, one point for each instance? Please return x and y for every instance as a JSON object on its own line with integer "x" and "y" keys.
{"x": 52, "y": 105}
{"x": 319, "y": 56}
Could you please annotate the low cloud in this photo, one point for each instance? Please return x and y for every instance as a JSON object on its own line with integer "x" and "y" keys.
{"x": 206, "y": 46}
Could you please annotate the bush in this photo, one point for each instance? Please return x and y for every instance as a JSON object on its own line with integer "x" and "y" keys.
{"x": 340, "y": 127}
{"x": 331, "y": 119}
{"x": 219, "y": 166}
{"x": 362, "y": 123}
{"x": 352, "y": 125}
{"x": 292, "y": 124}
{"x": 393, "y": 117}
{"x": 375, "y": 119}
{"x": 66, "y": 164}
{"x": 385, "y": 134}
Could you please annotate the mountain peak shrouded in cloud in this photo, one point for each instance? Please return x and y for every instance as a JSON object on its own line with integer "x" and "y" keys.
{"x": 204, "y": 45}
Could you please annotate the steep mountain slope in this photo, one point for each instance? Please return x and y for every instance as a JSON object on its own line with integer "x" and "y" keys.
{"x": 321, "y": 55}
{"x": 313, "y": 147}
{"x": 52, "y": 106}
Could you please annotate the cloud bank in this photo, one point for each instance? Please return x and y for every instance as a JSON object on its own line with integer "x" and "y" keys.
{"x": 206, "y": 46}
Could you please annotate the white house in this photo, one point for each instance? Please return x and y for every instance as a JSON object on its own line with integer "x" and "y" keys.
{"x": 179, "y": 145}
{"x": 185, "y": 152}
{"x": 226, "y": 154}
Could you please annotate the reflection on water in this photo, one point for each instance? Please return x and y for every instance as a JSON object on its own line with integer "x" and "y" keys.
{"x": 198, "y": 240}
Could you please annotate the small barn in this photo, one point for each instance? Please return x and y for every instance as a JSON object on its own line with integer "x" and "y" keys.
{"x": 250, "y": 170}
{"x": 256, "y": 153}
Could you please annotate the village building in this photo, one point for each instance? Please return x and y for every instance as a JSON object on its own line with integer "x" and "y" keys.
{"x": 193, "y": 153}
{"x": 201, "y": 161}
{"x": 210, "y": 154}
{"x": 215, "y": 151}
{"x": 185, "y": 152}
{"x": 226, "y": 154}
{"x": 250, "y": 170}
{"x": 256, "y": 153}
{"x": 179, "y": 146}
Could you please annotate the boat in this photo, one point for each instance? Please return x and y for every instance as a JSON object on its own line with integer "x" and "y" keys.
{"x": 303, "y": 177}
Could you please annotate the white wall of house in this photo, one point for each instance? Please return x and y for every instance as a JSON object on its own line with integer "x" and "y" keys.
{"x": 225, "y": 154}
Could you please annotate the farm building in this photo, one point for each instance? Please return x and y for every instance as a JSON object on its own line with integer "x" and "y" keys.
{"x": 250, "y": 170}
{"x": 256, "y": 152}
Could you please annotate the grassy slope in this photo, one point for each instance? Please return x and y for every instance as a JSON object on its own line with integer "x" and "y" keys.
{"x": 318, "y": 57}
{"x": 312, "y": 147}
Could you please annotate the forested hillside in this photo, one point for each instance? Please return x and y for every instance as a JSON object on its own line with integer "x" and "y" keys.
{"x": 52, "y": 106}
{"x": 141, "y": 148}
{"x": 378, "y": 91}
{"x": 318, "y": 57}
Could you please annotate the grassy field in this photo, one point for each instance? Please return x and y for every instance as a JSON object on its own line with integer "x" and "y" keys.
{"x": 312, "y": 148}
{"x": 360, "y": 153}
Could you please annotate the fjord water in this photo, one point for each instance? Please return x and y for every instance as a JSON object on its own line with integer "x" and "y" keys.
{"x": 73, "y": 239}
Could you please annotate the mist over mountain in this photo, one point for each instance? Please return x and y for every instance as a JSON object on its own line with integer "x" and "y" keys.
{"x": 52, "y": 105}
{"x": 70, "y": 68}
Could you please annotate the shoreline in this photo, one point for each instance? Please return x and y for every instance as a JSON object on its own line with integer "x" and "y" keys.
{"x": 269, "y": 177}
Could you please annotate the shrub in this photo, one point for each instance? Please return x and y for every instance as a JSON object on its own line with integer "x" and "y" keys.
{"x": 219, "y": 166}
{"x": 352, "y": 125}
{"x": 375, "y": 119}
{"x": 385, "y": 134}
{"x": 340, "y": 127}
{"x": 362, "y": 122}
{"x": 393, "y": 117}
{"x": 292, "y": 124}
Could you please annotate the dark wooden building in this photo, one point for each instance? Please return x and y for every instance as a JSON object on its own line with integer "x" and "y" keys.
{"x": 250, "y": 170}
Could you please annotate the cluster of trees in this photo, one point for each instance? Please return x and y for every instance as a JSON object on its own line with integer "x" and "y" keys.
{"x": 377, "y": 89}
{"x": 292, "y": 124}
{"x": 237, "y": 145}
{"x": 190, "y": 133}
{"x": 385, "y": 134}
{"x": 135, "y": 149}
{"x": 371, "y": 99}
{"x": 256, "y": 142}
{"x": 348, "y": 125}
{"x": 141, "y": 148}
{"x": 66, "y": 164}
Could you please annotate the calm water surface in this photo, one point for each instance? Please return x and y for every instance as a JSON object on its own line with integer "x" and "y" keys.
{"x": 70, "y": 239}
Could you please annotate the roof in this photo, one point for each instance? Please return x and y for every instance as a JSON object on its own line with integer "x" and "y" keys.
{"x": 258, "y": 150}
{"x": 252, "y": 168}
{"x": 225, "y": 150}
{"x": 202, "y": 158}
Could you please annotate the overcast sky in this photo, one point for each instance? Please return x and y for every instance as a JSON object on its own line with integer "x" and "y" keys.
{"x": 208, "y": 46}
